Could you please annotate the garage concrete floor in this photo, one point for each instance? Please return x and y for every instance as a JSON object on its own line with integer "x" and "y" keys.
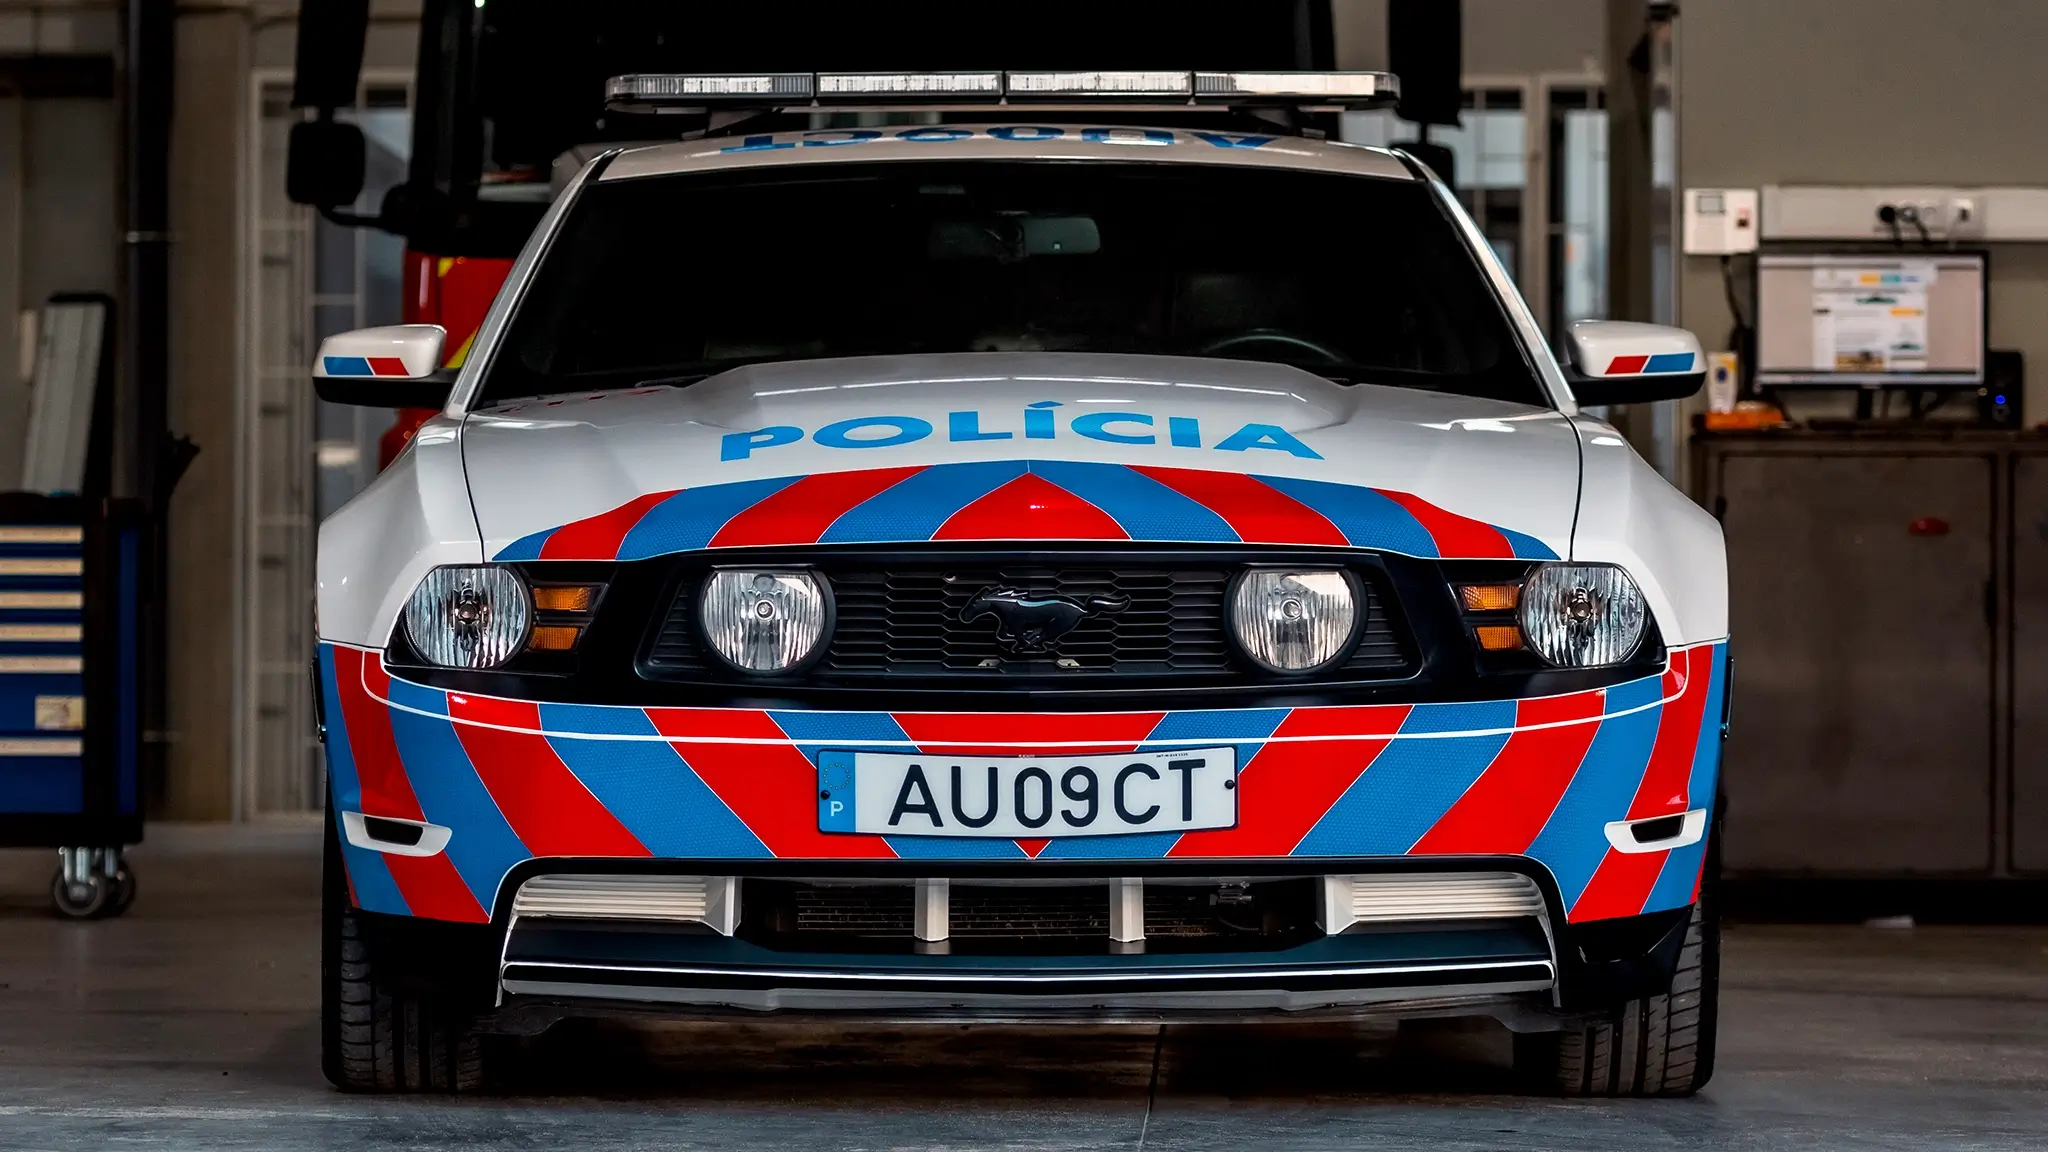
{"x": 190, "y": 1024}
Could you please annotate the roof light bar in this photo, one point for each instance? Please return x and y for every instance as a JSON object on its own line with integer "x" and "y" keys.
{"x": 1334, "y": 86}
{"x": 1103, "y": 85}
{"x": 656, "y": 92}
{"x": 910, "y": 84}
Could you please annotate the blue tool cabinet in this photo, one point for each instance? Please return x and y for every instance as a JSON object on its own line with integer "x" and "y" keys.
{"x": 70, "y": 729}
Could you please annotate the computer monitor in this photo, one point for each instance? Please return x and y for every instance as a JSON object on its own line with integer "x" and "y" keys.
{"x": 1843, "y": 320}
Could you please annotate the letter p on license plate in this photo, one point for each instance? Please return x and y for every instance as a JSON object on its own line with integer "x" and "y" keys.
{"x": 1027, "y": 797}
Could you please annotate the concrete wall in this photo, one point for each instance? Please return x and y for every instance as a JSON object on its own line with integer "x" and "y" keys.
{"x": 1864, "y": 92}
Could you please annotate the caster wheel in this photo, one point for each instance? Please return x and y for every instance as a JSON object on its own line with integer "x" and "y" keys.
{"x": 123, "y": 893}
{"x": 79, "y": 901}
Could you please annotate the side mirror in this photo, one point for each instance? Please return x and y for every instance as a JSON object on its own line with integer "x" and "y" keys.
{"x": 394, "y": 367}
{"x": 324, "y": 164}
{"x": 1617, "y": 362}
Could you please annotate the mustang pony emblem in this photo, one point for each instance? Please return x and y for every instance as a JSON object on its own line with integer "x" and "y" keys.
{"x": 1029, "y": 624}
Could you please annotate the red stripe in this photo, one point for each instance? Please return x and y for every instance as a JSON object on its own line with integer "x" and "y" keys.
{"x": 1287, "y": 787}
{"x": 1457, "y": 537}
{"x": 800, "y": 513}
{"x": 1626, "y": 365}
{"x": 1256, "y": 511}
{"x": 429, "y": 885}
{"x": 1031, "y": 508}
{"x": 1507, "y": 806}
{"x": 598, "y": 537}
{"x": 772, "y": 788}
{"x": 549, "y": 809}
{"x": 1622, "y": 883}
{"x": 1013, "y": 733}
{"x": 434, "y": 889}
{"x": 362, "y": 684}
{"x": 387, "y": 366}
{"x": 1669, "y": 775}
{"x": 1619, "y": 887}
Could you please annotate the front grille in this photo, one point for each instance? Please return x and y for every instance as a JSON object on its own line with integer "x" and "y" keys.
{"x": 872, "y": 916}
{"x": 1061, "y": 913}
{"x": 872, "y": 911}
{"x": 908, "y": 621}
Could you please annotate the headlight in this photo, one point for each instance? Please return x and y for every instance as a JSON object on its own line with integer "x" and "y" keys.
{"x": 469, "y": 617}
{"x": 1293, "y": 621}
{"x": 763, "y": 620}
{"x": 1582, "y": 615}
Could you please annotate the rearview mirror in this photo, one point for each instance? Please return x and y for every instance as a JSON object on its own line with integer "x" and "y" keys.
{"x": 324, "y": 164}
{"x": 1014, "y": 238}
{"x": 1618, "y": 362}
{"x": 394, "y": 367}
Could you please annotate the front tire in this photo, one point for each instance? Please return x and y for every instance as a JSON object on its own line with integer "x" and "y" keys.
{"x": 1660, "y": 1045}
{"x": 376, "y": 1036}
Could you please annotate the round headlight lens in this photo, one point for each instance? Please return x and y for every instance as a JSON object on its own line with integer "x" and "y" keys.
{"x": 1293, "y": 621}
{"x": 469, "y": 617}
{"x": 763, "y": 620}
{"x": 1582, "y": 615}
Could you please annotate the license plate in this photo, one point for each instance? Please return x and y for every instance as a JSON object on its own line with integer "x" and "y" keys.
{"x": 1027, "y": 797}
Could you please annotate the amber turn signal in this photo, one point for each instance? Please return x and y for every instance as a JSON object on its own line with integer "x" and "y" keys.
{"x": 555, "y": 638}
{"x": 1494, "y": 637}
{"x": 565, "y": 598}
{"x": 1490, "y": 597}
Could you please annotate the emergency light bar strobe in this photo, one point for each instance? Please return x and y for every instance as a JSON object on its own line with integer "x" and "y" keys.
{"x": 665, "y": 92}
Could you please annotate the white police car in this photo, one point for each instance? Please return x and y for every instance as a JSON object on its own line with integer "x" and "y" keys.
{"x": 1038, "y": 569}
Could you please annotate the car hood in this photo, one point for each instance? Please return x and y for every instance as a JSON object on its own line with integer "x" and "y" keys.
{"x": 1020, "y": 446}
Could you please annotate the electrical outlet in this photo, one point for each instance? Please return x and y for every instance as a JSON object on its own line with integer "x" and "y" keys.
{"x": 1965, "y": 218}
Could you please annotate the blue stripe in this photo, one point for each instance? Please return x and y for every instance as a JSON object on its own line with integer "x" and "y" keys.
{"x": 526, "y": 547}
{"x": 1527, "y": 547}
{"x": 647, "y": 784}
{"x": 450, "y": 792}
{"x": 1367, "y": 518}
{"x": 368, "y": 874}
{"x": 913, "y": 508}
{"x": 346, "y": 365}
{"x": 1669, "y": 362}
{"x": 1146, "y": 509}
{"x": 689, "y": 519}
{"x": 879, "y": 732}
{"x": 1411, "y": 784}
{"x": 1574, "y": 839}
{"x": 1674, "y": 883}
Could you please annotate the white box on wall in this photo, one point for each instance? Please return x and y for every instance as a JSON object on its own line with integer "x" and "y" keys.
{"x": 1720, "y": 221}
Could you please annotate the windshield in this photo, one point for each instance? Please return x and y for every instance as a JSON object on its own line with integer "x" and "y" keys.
{"x": 673, "y": 278}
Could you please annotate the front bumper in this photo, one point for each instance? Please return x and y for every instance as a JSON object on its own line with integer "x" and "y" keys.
{"x": 496, "y": 783}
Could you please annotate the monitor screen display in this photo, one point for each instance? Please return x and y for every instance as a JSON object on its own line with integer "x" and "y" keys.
{"x": 1899, "y": 319}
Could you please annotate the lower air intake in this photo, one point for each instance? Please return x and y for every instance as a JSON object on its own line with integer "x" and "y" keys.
{"x": 1409, "y": 897}
{"x": 709, "y": 900}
